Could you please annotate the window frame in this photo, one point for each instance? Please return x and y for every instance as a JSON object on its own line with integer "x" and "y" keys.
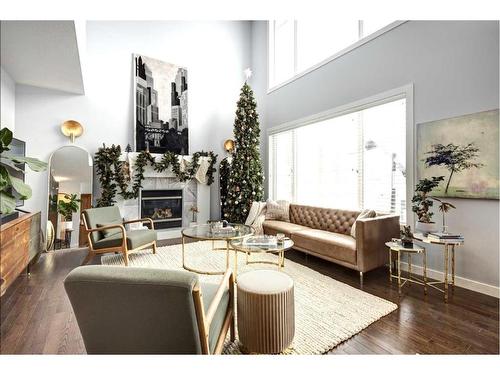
{"x": 336, "y": 55}
{"x": 403, "y": 92}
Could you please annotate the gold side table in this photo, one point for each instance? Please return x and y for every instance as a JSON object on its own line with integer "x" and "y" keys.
{"x": 398, "y": 247}
{"x": 448, "y": 249}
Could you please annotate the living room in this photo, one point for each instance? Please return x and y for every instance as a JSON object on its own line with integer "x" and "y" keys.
{"x": 281, "y": 185}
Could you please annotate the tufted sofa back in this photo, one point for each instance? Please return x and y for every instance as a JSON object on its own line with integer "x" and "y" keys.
{"x": 329, "y": 219}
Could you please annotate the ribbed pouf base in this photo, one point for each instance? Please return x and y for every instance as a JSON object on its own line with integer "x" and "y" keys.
{"x": 266, "y": 311}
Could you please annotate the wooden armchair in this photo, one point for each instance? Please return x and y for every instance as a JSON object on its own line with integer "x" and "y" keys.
{"x": 150, "y": 311}
{"x": 107, "y": 234}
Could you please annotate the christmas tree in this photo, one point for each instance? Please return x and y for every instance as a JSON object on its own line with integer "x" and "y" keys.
{"x": 245, "y": 175}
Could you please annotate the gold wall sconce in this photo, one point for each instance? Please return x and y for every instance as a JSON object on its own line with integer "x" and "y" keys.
{"x": 72, "y": 129}
{"x": 229, "y": 145}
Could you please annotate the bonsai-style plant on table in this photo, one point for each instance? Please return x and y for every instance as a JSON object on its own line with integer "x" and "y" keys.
{"x": 406, "y": 236}
{"x": 422, "y": 203}
{"x": 10, "y": 166}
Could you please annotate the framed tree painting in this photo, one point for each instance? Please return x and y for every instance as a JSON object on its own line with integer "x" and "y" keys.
{"x": 465, "y": 151}
{"x": 160, "y": 106}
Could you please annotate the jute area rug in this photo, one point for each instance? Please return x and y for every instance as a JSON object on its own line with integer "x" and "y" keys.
{"x": 327, "y": 311}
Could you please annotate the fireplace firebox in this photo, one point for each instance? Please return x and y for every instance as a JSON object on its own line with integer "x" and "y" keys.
{"x": 164, "y": 207}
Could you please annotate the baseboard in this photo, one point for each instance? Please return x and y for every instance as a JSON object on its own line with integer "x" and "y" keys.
{"x": 476, "y": 286}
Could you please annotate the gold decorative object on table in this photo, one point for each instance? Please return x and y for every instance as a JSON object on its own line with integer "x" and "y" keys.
{"x": 448, "y": 247}
{"x": 397, "y": 246}
{"x": 72, "y": 129}
{"x": 209, "y": 232}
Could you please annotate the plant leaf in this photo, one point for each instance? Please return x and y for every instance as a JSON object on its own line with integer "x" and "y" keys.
{"x": 9, "y": 163}
{"x": 5, "y": 138}
{"x": 19, "y": 186}
{"x": 7, "y": 203}
{"x": 4, "y": 177}
{"x": 34, "y": 164}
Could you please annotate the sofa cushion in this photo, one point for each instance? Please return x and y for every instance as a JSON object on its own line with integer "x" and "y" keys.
{"x": 277, "y": 210}
{"x": 209, "y": 291}
{"x": 274, "y": 226}
{"x": 332, "y": 220}
{"x": 135, "y": 238}
{"x": 333, "y": 245}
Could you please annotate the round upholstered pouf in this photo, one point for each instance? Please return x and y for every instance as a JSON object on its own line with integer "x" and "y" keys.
{"x": 266, "y": 311}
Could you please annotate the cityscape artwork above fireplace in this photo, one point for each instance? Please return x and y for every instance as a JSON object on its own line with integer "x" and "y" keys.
{"x": 161, "y": 106}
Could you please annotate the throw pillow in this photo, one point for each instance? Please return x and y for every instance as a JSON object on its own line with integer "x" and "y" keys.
{"x": 278, "y": 210}
{"x": 111, "y": 231}
{"x": 363, "y": 214}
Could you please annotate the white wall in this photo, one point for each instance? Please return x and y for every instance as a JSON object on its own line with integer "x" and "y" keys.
{"x": 454, "y": 67}
{"x": 215, "y": 54}
{"x": 7, "y": 101}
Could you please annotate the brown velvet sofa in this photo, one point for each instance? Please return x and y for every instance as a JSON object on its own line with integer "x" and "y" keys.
{"x": 326, "y": 233}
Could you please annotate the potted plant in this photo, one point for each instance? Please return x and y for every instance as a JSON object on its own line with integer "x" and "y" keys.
{"x": 9, "y": 167}
{"x": 66, "y": 208}
{"x": 406, "y": 236}
{"x": 194, "y": 209}
{"x": 422, "y": 204}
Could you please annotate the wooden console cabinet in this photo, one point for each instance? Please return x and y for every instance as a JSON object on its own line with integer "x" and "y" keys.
{"x": 20, "y": 243}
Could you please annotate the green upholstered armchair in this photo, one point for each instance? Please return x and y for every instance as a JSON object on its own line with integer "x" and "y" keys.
{"x": 128, "y": 310}
{"x": 107, "y": 234}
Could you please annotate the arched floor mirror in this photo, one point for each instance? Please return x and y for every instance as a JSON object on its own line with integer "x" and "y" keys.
{"x": 69, "y": 193}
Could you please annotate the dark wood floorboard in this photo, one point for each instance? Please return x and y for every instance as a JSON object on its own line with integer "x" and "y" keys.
{"x": 36, "y": 316}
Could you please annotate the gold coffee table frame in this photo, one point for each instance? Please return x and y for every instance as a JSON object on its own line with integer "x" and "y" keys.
{"x": 238, "y": 245}
{"x": 448, "y": 246}
{"x": 207, "y": 236}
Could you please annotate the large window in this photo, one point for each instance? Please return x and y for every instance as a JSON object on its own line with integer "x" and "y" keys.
{"x": 295, "y": 46}
{"x": 353, "y": 161}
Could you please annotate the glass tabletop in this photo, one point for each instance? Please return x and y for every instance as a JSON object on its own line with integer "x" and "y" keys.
{"x": 398, "y": 246}
{"x": 204, "y": 232}
{"x": 240, "y": 244}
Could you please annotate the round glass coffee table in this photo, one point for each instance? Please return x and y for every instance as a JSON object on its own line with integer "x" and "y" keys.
{"x": 278, "y": 248}
{"x": 203, "y": 232}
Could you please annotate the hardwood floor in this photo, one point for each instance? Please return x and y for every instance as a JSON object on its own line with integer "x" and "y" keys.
{"x": 36, "y": 316}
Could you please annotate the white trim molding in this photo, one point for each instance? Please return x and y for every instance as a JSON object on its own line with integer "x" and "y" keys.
{"x": 336, "y": 55}
{"x": 476, "y": 286}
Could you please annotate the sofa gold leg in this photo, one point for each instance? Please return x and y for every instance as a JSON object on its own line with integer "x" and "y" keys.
{"x": 154, "y": 247}
{"x": 361, "y": 280}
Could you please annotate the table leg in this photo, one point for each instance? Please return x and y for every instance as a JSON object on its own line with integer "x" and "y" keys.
{"x": 390, "y": 265}
{"x": 283, "y": 259}
{"x": 235, "y": 265}
{"x": 399, "y": 272}
{"x": 453, "y": 265}
{"x": 247, "y": 255}
{"x": 227, "y": 254}
{"x": 409, "y": 269}
{"x": 425, "y": 271}
{"x": 183, "y": 264}
{"x": 446, "y": 273}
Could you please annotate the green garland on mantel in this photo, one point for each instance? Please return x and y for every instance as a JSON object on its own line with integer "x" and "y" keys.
{"x": 114, "y": 174}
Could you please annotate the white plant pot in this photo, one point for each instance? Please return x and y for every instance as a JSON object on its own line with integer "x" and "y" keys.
{"x": 425, "y": 228}
{"x": 67, "y": 225}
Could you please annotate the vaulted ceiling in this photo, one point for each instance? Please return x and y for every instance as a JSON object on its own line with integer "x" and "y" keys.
{"x": 42, "y": 54}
